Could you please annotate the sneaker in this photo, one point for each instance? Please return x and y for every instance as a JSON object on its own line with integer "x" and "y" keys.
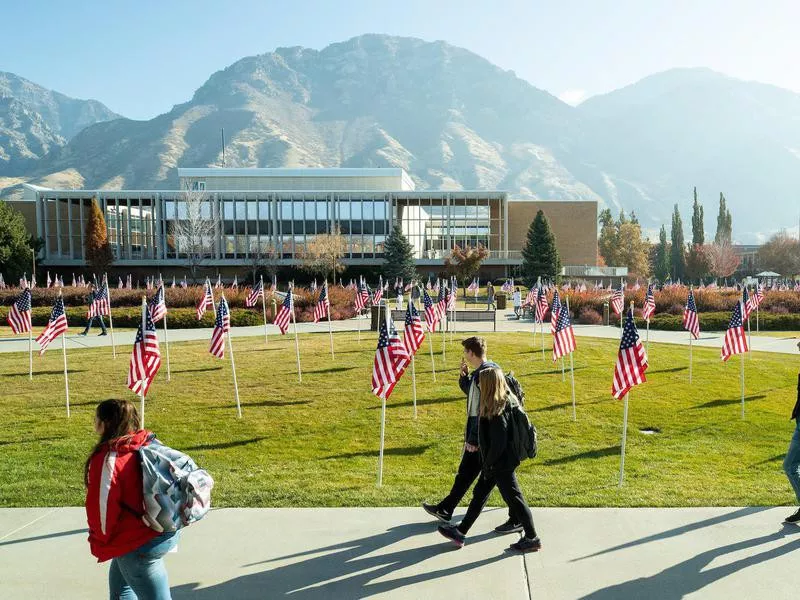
{"x": 526, "y": 544}
{"x": 83, "y": 333}
{"x": 434, "y": 511}
{"x": 793, "y": 519}
{"x": 102, "y": 333}
{"x": 509, "y": 527}
{"x": 452, "y": 533}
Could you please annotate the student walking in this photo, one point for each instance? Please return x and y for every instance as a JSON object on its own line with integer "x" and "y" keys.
{"x": 791, "y": 464}
{"x": 490, "y": 297}
{"x": 499, "y": 463}
{"x": 90, "y": 300}
{"x": 517, "y": 298}
{"x": 471, "y": 462}
{"x": 114, "y": 498}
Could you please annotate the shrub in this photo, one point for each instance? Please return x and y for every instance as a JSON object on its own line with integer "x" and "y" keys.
{"x": 589, "y": 316}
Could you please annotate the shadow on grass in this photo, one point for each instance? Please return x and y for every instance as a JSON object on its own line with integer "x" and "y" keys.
{"x": 44, "y": 537}
{"x": 272, "y": 403}
{"x": 226, "y": 445}
{"x": 330, "y": 370}
{"x": 53, "y": 372}
{"x": 420, "y": 402}
{"x": 728, "y": 402}
{"x": 769, "y": 460}
{"x": 672, "y": 370}
{"x": 551, "y": 407}
{"x": 31, "y": 441}
{"x": 553, "y": 371}
{"x": 406, "y": 451}
{"x": 201, "y": 370}
{"x": 602, "y": 453}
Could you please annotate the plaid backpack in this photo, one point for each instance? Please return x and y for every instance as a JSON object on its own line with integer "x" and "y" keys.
{"x": 176, "y": 491}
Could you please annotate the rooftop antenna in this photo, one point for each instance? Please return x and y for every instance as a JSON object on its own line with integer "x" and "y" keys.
{"x": 223, "y": 147}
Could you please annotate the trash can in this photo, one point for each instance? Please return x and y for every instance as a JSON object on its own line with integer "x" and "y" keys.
{"x": 605, "y": 313}
{"x": 500, "y": 300}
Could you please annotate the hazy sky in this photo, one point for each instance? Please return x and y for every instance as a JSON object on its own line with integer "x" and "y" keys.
{"x": 140, "y": 58}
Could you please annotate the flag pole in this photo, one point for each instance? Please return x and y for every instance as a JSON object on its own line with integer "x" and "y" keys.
{"x": 213, "y": 303}
{"x": 749, "y": 338}
{"x": 563, "y": 375}
{"x": 296, "y": 344}
{"x": 64, "y": 352}
{"x": 233, "y": 368}
{"x": 141, "y": 383}
{"x": 572, "y": 376}
{"x": 166, "y": 341}
{"x": 690, "y": 356}
{"x": 110, "y": 319}
{"x": 430, "y": 344}
{"x": 330, "y": 327}
{"x": 414, "y": 383}
{"x": 383, "y": 428}
{"x": 542, "y": 329}
{"x": 443, "y": 331}
{"x": 647, "y": 342}
{"x": 741, "y": 368}
{"x": 30, "y": 351}
{"x": 264, "y": 309}
{"x": 624, "y": 439}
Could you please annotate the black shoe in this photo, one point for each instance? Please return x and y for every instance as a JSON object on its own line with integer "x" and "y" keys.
{"x": 793, "y": 519}
{"x": 452, "y": 533}
{"x": 434, "y": 511}
{"x": 527, "y": 545}
{"x": 102, "y": 333}
{"x": 509, "y": 527}
{"x": 83, "y": 333}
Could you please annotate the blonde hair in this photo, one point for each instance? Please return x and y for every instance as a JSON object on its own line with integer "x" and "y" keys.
{"x": 494, "y": 392}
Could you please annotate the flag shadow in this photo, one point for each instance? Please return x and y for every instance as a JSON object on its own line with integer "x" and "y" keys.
{"x": 405, "y": 451}
{"x": 53, "y": 372}
{"x": 768, "y": 460}
{"x": 420, "y": 402}
{"x": 602, "y": 453}
{"x": 330, "y": 370}
{"x": 31, "y": 441}
{"x": 226, "y": 445}
{"x": 672, "y": 370}
{"x": 271, "y": 403}
{"x": 200, "y": 370}
{"x": 728, "y": 402}
{"x": 45, "y": 537}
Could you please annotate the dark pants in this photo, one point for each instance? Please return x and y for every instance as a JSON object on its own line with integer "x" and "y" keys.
{"x": 507, "y": 483}
{"x": 468, "y": 471}
{"x": 91, "y": 320}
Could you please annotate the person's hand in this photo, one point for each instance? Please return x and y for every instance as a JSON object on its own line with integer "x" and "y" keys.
{"x": 470, "y": 447}
{"x": 464, "y": 368}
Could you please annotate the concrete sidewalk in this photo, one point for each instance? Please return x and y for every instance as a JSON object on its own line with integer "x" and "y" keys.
{"x": 314, "y": 554}
{"x": 506, "y": 322}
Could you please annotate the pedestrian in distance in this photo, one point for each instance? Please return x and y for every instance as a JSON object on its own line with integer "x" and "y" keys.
{"x": 471, "y": 462}
{"x": 517, "y": 299}
{"x": 499, "y": 462}
{"x": 490, "y": 297}
{"x": 90, "y": 300}
{"x": 791, "y": 464}
{"x": 114, "y": 500}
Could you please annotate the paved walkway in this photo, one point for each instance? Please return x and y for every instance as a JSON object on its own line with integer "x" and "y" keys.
{"x": 342, "y": 554}
{"x": 505, "y": 322}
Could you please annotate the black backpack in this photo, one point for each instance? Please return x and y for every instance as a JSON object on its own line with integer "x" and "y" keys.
{"x": 514, "y": 385}
{"x": 524, "y": 439}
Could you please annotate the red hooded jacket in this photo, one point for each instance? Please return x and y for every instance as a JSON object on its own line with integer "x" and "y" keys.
{"x": 114, "y": 495}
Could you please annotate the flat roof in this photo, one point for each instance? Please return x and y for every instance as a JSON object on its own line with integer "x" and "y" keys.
{"x": 285, "y": 172}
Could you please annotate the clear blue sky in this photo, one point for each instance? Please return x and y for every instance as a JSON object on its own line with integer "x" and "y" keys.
{"x": 140, "y": 58}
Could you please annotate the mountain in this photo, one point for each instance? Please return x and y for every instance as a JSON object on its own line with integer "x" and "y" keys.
{"x": 34, "y": 121}
{"x": 455, "y": 121}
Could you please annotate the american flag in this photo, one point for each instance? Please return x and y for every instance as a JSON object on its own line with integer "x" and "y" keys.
{"x": 746, "y": 302}
{"x": 541, "y": 304}
{"x": 530, "y": 299}
{"x": 19, "y": 317}
{"x": 631, "y": 360}
{"x": 130, "y": 282}
{"x": 376, "y": 298}
{"x": 431, "y": 313}
{"x": 100, "y": 304}
{"x": 413, "y": 334}
{"x": 158, "y": 306}
{"x": 314, "y": 285}
{"x": 221, "y": 326}
{"x": 206, "y": 301}
{"x": 437, "y": 286}
{"x": 618, "y": 300}
{"x": 508, "y": 286}
{"x": 49, "y": 281}
{"x": 120, "y": 285}
{"x": 409, "y": 286}
{"x": 473, "y": 287}
{"x": 284, "y": 315}
{"x": 145, "y": 358}
{"x": 554, "y": 310}
{"x": 441, "y": 301}
{"x": 55, "y": 326}
{"x": 755, "y": 299}
{"x": 362, "y": 295}
{"x": 649, "y": 303}
{"x": 173, "y": 282}
{"x": 391, "y": 359}
{"x": 218, "y": 285}
{"x": 2, "y": 282}
{"x": 564, "y": 336}
{"x": 256, "y": 293}
{"x": 323, "y": 305}
{"x": 735, "y": 341}
{"x": 452, "y": 295}
{"x": 690, "y": 321}
{"x": 235, "y": 284}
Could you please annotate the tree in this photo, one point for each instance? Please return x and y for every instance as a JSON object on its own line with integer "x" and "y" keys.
{"x": 722, "y": 260}
{"x": 540, "y": 255}
{"x": 661, "y": 266}
{"x": 698, "y": 234}
{"x": 16, "y": 255}
{"x": 399, "y": 255}
{"x": 780, "y": 254}
{"x": 697, "y": 267}
{"x": 263, "y": 260}
{"x": 322, "y": 255}
{"x": 608, "y": 243}
{"x": 197, "y": 227}
{"x": 99, "y": 255}
{"x": 724, "y": 233}
{"x": 464, "y": 263}
{"x": 677, "y": 251}
{"x": 633, "y": 250}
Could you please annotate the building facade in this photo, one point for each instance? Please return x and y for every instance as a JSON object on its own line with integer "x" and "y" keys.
{"x": 239, "y": 215}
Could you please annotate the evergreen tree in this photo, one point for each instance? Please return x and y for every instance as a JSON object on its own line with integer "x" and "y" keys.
{"x": 724, "y": 223}
{"x": 608, "y": 243}
{"x": 98, "y": 251}
{"x": 540, "y": 255}
{"x": 698, "y": 235}
{"x": 399, "y": 255}
{"x": 677, "y": 252}
{"x": 16, "y": 256}
{"x": 634, "y": 218}
{"x": 661, "y": 266}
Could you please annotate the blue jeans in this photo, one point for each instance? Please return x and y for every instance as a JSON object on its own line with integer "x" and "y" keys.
{"x": 791, "y": 464}
{"x": 141, "y": 574}
{"x": 91, "y": 320}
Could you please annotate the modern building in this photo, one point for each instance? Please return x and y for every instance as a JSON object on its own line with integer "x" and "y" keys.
{"x": 240, "y": 214}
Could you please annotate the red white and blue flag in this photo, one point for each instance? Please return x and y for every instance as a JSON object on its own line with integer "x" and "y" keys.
{"x": 554, "y": 310}
{"x": 541, "y": 304}
{"x": 206, "y": 300}
{"x": 431, "y": 312}
{"x": 158, "y": 306}
{"x": 19, "y": 316}
{"x": 746, "y": 302}
{"x": 413, "y": 334}
{"x": 649, "y": 304}
{"x": 735, "y": 341}
{"x": 362, "y": 295}
{"x": 100, "y": 302}
{"x": 55, "y": 326}
{"x": 323, "y": 305}
{"x": 221, "y": 326}
{"x": 284, "y": 315}
{"x": 564, "y": 336}
{"x": 618, "y": 300}
{"x": 391, "y": 359}
{"x": 631, "y": 359}
{"x": 691, "y": 323}
{"x": 145, "y": 358}
{"x": 255, "y": 293}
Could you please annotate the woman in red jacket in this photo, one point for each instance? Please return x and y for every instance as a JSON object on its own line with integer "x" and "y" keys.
{"x": 114, "y": 504}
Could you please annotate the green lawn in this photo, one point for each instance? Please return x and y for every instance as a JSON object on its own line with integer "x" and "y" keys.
{"x": 316, "y": 444}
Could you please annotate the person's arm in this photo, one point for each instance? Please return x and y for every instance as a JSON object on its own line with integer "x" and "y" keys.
{"x": 498, "y": 440}
{"x": 106, "y": 492}
{"x": 464, "y": 383}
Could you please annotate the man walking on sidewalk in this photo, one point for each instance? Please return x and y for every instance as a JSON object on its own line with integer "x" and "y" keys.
{"x": 791, "y": 464}
{"x": 471, "y": 463}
